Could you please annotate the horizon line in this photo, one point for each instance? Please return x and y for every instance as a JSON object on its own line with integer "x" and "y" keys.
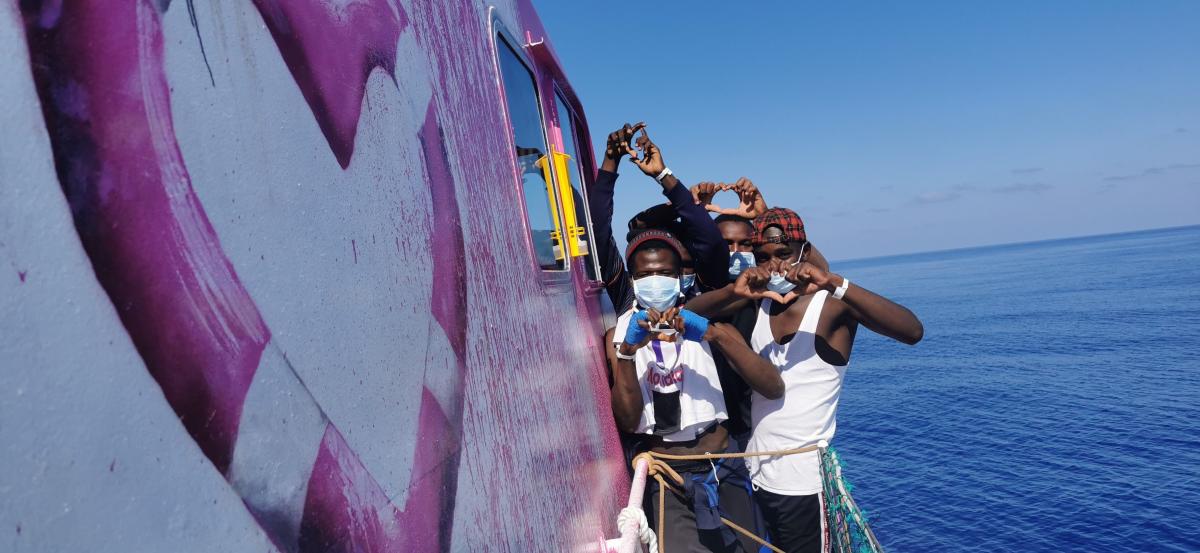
{"x": 1007, "y": 244}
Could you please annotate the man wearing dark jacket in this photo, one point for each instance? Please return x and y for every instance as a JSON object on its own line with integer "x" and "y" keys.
{"x": 695, "y": 228}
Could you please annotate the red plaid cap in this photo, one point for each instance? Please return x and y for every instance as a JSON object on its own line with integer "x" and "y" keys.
{"x": 784, "y": 218}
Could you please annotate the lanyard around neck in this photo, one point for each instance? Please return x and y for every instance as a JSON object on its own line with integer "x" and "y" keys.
{"x": 656, "y": 345}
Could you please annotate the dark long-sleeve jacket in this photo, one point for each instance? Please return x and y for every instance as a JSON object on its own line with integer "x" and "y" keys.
{"x": 700, "y": 236}
{"x": 612, "y": 265}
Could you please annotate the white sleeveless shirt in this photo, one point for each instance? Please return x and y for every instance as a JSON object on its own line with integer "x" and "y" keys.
{"x": 807, "y": 412}
{"x": 684, "y": 366}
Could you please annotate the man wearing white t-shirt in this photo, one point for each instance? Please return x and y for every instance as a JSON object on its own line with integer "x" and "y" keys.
{"x": 807, "y": 320}
{"x": 666, "y": 393}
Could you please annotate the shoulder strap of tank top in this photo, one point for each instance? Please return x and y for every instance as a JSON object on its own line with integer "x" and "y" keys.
{"x": 761, "y": 335}
{"x": 764, "y": 309}
{"x": 812, "y": 314}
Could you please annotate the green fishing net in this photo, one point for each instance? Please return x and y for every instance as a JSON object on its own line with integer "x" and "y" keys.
{"x": 845, "y": 522}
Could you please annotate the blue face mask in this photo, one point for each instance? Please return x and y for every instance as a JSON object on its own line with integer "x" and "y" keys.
{"x": 656, "y": 292}
{"x": 686, "y": 282}
{"x": 738, "y": 262}
{"x": 780, "y": 285}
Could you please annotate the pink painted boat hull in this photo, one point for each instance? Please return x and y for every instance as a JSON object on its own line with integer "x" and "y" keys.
{"x": 305, "y": 219}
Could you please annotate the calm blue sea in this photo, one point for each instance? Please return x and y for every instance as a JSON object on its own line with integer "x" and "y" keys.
{"x": 1054, "y": 404}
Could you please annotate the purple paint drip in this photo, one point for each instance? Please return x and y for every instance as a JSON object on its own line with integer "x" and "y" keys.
{"x": 98, "y": 67}
{"x": 331, "y": 48}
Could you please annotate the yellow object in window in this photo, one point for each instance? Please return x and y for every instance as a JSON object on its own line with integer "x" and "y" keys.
{"x": 556, "y": 234}
{"x": 575, "y": 232}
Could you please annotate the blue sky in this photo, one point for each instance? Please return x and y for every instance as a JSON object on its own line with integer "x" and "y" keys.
{"x": 896, "y": 127}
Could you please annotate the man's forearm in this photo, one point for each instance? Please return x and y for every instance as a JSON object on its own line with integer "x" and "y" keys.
{"x": 627, "y": 401}
{"x": 612, "y": 266}
{"x": 882, "y": 315}
{"x": 609, "y": 164}
{"x": 704, "y": 239}
{"x": 758, "y": 373}
{"x": 669, "y": 183}
{"x": 600, "y": 201}
{"x": 718, "y": 304}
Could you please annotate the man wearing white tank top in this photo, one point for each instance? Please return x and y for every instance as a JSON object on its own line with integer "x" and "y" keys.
{"x": 807, "y": 320}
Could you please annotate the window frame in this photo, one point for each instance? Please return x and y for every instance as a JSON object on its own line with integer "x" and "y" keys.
{"x": 585, "y": 168}
{"x": 499, "y": 32}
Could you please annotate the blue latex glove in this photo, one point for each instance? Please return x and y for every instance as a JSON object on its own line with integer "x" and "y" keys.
{"x": 635, "y": 333}
{"x": 694, "y": 326}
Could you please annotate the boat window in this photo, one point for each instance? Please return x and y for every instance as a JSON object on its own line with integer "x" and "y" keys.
{"x": 570, "y": 127}
{"x": 524, "y": 113}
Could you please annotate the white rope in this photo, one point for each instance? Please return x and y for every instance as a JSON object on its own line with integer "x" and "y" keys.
{"x": 645, "y": 534}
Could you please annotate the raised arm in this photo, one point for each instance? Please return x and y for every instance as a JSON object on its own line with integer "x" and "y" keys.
{"x": 881, "y": 315}
{"x": 600, "y": 207}
{"x": 702, "y": 237}
{"x": 700, "y": 233}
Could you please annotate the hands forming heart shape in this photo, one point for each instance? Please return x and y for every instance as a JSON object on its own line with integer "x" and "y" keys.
{"x": 620, "y": 141}
{"x": 752, "y": 284}
{"x": 641, "y": 150}
{"x": 653, "y": 325}
{"x": 808, "y": 278}
{"x": 667, "y": 326}
{"x": 751, "y": 203}
{"x": 672, "y": 325}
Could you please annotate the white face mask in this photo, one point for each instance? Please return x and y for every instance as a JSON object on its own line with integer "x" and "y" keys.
{"x": 656, "y": 292}
{"x": 740, "y": 261}
{"x": 780, "y": 285}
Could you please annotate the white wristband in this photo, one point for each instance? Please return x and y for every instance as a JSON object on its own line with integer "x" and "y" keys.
{"x": 623, "y": 356}
{"x": 841, "y": 290}
{"x": 666, "y": 171}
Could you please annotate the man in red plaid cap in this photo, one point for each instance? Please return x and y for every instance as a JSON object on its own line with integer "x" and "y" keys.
{"x": 806, "y": 323}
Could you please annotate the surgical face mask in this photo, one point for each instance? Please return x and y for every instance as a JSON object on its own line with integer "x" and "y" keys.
{"x": 686, "y": 282}
{"x": 740, "y": 261}
{"x": 656, "y": 292}
{"x": 780, "y": 285}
